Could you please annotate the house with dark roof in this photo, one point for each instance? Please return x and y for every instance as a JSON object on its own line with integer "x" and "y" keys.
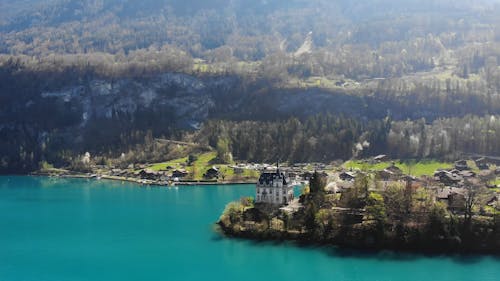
{"x": 493, "y": 201}
{"x": 181, "y": 173}
{"x": 461, "y": 165}
{"x": 448, "y": 178}
{"x": 211, "y": 173}
{"x": 380, "y": 158}
{"x": 274, "y": 188}
{"x": 453, "y": 197}
{"x": 347, "y": 176}
{"x": 394, "y": 169}
{"x": 482, "y": 164}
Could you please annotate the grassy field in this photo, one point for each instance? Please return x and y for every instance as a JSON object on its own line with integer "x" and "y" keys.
{"x": 204, "y": 162}
{"x": 422, "y": 168}
{"x": 177, "y": 164}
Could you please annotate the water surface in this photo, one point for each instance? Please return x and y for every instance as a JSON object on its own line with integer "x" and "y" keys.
{"x": 61, "y": 229}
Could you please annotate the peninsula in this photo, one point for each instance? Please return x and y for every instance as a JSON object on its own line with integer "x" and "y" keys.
{"x": 455, "y": 210}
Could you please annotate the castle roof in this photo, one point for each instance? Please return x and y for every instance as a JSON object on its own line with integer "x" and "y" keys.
{"x": 270, "y": 178}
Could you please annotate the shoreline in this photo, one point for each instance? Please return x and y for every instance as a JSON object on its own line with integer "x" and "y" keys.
{"x": 302, "y": 239}
{"x": 140, "y": 181}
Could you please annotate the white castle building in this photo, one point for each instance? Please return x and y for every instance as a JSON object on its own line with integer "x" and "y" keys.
{"x": 274, "y": 188}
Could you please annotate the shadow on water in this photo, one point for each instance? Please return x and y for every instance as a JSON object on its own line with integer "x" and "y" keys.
{"x": 350, "y": 253}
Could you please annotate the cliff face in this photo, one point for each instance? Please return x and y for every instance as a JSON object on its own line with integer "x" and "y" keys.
{"x": 179, "y": 100}
{"x": 188, "y": 99}
{"x": 42, "y": 113}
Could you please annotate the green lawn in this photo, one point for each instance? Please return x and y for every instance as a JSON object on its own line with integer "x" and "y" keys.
{"x": 202, "y": 164}
{"x": 173, "y": 163}
{"x": 425, "y": 167}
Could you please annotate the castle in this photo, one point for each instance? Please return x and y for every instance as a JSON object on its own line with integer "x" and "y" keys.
{"x": 274, "y": 188}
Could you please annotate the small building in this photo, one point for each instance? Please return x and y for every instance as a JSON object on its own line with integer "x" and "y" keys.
{"x": 461, "y": 165}
{"x": 453, "y": 197}
{"x": 380, "y": 158}
{"x": 385, "y": 175}
{"x": 148, "y": 174}
{"x": 482, "y": 164}
{"x": 180, "y": 173}
{"x": 306, "y": 175}
{"x": 448, "y": 178}
{"x": 238, "y": 170}
{"x": 467, "y": 174}
{"x": 347, "y": 176}
{"x": 212, "y": 173}
{"x": 394, "y": 169}
{"x": 493, "y": 201}
{"x": 274, "y": 188}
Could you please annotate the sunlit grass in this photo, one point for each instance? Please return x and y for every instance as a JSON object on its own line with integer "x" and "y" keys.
{"x": 422, "y": 168}
{"x": 204, "y": 162}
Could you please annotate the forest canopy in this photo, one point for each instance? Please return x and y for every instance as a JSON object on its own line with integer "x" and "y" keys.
{"x": 315, "y": 78}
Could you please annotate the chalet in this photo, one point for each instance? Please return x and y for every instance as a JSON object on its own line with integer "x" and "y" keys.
{"x": 306, "y": 175}
{"x": 118, "y": 172}
{"x": 447, "y": 178}
{"x": 274, "y": 188}
{"x": 466, "y": 174}
{"x": 212, "y": 173}
{"x": 148, "y": 174}
{"x": 180, "y": 173}
{"x": 380, "y": 158}
{"x": 238, "y": 170}
{"x": 453, "y": 197}
{"x": 493, "y": 201}
{"x": 408, "y": 178}
{"x": 394, "y": 169}
{"x": 461, "y": 165}
{"x": 385, "y": 175}
{"x": 293, "y": 174}
{"x": 482, "y": 164}
{"x": 347, "y": 176}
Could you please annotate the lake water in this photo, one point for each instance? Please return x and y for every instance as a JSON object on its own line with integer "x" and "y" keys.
{"x": 60, "y": 229}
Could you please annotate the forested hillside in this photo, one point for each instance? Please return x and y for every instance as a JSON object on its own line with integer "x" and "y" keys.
{"x": 318, "y": 80}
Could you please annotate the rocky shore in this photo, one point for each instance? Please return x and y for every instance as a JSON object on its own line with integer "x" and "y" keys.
{"x": 365, "y": 236}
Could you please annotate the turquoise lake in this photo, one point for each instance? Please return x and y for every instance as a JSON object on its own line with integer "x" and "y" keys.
{"x": 61, "y": 229}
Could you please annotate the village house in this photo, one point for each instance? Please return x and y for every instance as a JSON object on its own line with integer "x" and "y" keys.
{"x": 465, "y": 173}
{"x": 118, "y": 172}
{"x": 386, "y": 175}
{"x": 482, "y": 164}
{"x": 307, "y": 175}
{"x": 453, "y": 197}
{"x": 238, "y": 170}
{"x": 447, "y": 178}
{"x": 274, "y": 188}
{"x": 461, "y": 165}
{"x": 493, "y": 201}
{"x": 148, "y": 174}
{"x": 394, "y": 169}
{"x": 212, "y": 173}
{"x": 380, "y": 158}
{"x": 347, "y": 176}
{"x": 180, "y": 173}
